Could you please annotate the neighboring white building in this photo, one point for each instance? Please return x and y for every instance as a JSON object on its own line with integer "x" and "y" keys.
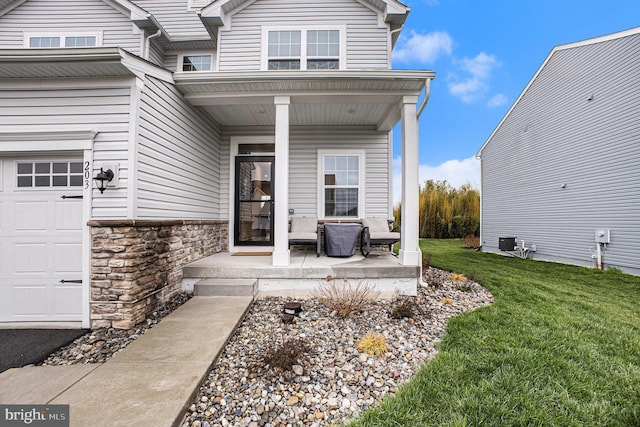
{"x": 561, "y": 172}
{"x": 219, "y": 120}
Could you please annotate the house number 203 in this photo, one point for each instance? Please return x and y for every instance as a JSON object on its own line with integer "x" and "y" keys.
{"x": 87, "y": 174}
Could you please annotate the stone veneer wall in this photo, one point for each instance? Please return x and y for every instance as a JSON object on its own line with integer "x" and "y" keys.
{"x": 137, "y": 265}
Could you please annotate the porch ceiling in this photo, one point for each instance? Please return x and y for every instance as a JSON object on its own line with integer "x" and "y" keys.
{"x": 335, "y": 98}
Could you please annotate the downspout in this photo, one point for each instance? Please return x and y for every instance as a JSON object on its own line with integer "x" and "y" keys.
{"x": 427, "y": 93}
{"x": 147, "y": 43}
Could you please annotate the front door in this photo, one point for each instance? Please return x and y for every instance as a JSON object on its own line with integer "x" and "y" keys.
{"x": 254, "y": 201}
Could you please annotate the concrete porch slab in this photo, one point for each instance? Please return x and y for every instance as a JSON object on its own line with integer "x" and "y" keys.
{"x": 304, "y": 265}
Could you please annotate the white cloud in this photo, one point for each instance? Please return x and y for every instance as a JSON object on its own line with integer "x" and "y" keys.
{"x": 455, "y": 172}
{"x": 498, "y": 100}
{"x": 475, "y": 84}
{"x": 468, "y": 90}
{"x": 423, "y": 48}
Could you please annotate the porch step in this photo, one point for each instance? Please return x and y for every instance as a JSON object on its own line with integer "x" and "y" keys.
{"x": 226, "y": 287}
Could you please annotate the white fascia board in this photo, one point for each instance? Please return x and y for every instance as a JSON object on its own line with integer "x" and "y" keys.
{"x": 141, "y": 67}
{"x": 41, "y": 141}
{"x": 561, "y": 47}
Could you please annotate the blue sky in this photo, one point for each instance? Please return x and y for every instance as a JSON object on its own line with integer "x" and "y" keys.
{"x": 484, "y": 53}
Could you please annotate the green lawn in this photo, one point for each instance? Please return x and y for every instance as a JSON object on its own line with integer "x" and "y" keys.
{"x": 559, "y": 347}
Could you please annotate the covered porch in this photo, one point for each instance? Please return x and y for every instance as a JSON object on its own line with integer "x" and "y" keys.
{"x": 283, "y": 102}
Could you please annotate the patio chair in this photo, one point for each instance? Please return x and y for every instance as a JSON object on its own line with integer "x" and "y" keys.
{"x": 305, "y": 231}
{"x": 376, "y": 231}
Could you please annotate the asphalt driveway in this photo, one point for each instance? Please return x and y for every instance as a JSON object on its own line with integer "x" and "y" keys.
{"x": 21, "y": 347}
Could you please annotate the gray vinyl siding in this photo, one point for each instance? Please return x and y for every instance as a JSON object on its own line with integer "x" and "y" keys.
{"x": 156, "y": 54}
{"x": 56, "y": 16}
{"x": 367, "y": 43}
{"x": 303, "y": 164}
{"x": 178, "y": 157}
{"x": 555, "y": 136}
{"x": 175, "y": 18}
{"x": 99, "y": 106}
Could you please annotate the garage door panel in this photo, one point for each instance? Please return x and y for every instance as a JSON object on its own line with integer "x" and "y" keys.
{"x": 68, "y": 258}
{"x": 68, "y": 301}
{"x": 68, "y": 214}
{"x": 30, "y": 301}
{"x": 30, "y": 258}
{"x": 30, "y": 216}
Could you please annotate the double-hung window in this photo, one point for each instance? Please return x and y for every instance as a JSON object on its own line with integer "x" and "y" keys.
{"x": 341, "y": 184}
{"x": 41, "y": 40}
{"x": 303, "y": 49}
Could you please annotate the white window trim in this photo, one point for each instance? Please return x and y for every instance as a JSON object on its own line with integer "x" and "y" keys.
{"x": 362, "y": 170}
{"x": 63, "y": 35}
{"x": 194, "y": 53}
{"x": 264, "y": 56}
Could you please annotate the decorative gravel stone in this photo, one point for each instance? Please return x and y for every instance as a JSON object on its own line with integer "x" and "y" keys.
{"x": 101, "y": 344}
{"x": 334, "y": 382}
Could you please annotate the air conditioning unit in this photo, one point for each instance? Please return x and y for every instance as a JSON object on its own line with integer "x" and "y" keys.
{"x": 506, "y": 243}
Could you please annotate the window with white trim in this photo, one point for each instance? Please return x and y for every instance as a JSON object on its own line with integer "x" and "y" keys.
{"x": 49, "y": 174}
{"x": 196, "y": 62}
{"x": 35, "y": 40}
{"x": 303, "y": 49}
{"x": 342, "y": 185}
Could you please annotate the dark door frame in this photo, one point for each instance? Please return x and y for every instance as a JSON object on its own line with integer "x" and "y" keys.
{"x": 237, "y": 201}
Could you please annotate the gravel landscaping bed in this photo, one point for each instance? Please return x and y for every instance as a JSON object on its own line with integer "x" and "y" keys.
{"x": 100, "y": 345}
{"x": 334, "y": 381}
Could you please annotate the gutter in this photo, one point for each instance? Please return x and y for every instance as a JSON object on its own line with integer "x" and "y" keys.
{"x": 147, "y": 43}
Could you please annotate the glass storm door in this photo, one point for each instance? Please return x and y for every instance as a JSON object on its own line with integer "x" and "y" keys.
{"x": 254, "y": 201}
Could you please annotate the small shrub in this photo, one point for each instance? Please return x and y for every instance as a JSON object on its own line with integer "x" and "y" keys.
{"x": 426, "y": 260}
{"x": 403, "y": 306}
{"x": 283, "y": 356}
{"x": 471, "y": 242}
{"x": 446, "y": 300}
{"x": 373, "y": 343}
{"x": 346, "y": 298}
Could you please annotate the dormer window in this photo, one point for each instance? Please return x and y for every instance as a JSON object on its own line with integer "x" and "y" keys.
{"x": 39, "y": 41}
{"x": 303, "y": 49}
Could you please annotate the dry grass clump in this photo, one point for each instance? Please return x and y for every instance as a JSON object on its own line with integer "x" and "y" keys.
{"x": 471, "y": 241}
{"x": 457, "y": 277}
{"x": 346, "y": 298}
{"x": 373, "y": 343}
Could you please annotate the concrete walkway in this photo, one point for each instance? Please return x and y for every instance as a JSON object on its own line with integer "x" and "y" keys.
{"x": 151, "y": 382}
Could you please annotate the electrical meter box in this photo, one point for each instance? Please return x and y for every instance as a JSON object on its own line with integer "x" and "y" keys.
{"x": 603, "y": 236}
{"x": 506, "y": 243}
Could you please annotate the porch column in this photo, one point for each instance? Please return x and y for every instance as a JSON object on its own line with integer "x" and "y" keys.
{"x": 409, "y": 231}
{"x": 281, "y": 192}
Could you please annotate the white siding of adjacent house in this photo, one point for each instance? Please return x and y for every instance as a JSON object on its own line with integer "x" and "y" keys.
{"x": 303, "y": 164}
{"x": 60, "y": 16}
{"x": 178, "y": 157}
{"x": 555, "y": 136}
{"x": 367, "y": 43}
{"x": 76, "y": 105}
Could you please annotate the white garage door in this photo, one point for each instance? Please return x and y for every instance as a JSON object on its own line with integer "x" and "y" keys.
{"x": 40, "y": 240}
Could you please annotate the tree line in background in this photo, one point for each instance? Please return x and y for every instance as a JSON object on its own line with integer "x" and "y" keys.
{"x": 447, "y": 212}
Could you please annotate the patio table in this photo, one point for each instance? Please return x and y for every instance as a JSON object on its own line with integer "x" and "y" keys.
{"x": 340, "y": 239}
